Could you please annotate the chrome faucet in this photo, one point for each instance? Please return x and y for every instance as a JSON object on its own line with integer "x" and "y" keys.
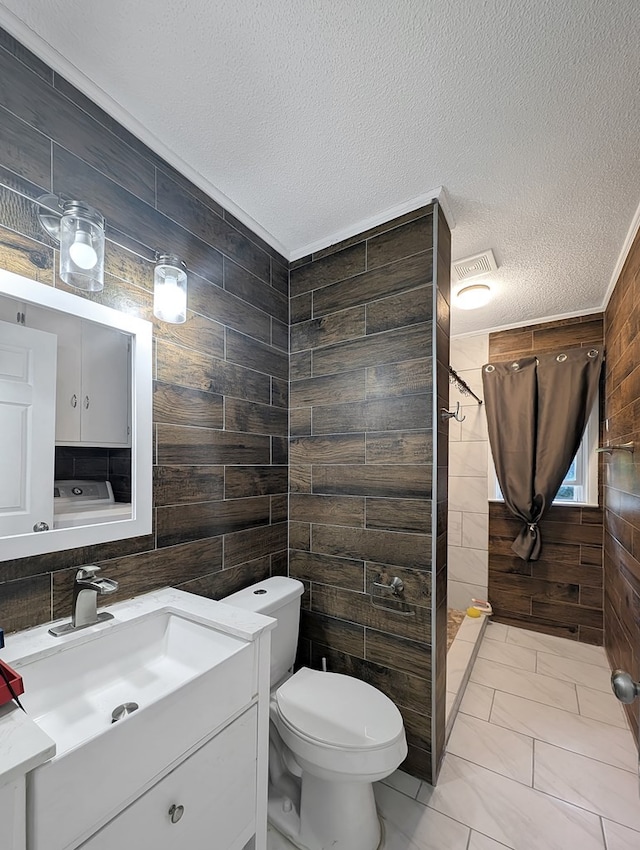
{"x": 84, "y": 611}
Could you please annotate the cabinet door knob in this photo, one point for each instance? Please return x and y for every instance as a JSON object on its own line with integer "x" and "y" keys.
{"x": 41, "y": 526}
{"x": 74, "y": 400}
{"x": 175, "y": 813}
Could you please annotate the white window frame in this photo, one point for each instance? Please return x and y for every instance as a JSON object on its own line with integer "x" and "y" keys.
{"x": 586, "y": 481}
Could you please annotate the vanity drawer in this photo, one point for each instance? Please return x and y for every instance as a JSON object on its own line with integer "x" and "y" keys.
{"x": 127, "y": 757}
{"x": 217, "y": 788}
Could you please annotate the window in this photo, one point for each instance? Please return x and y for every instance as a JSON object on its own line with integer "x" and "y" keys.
{"x": 580, "y": 485}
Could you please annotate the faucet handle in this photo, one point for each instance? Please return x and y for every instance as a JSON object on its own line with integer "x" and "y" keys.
{"x": 88, "y": 572}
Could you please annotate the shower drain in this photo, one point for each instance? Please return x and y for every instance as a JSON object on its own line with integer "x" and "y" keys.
{"x": 123, "y": 710}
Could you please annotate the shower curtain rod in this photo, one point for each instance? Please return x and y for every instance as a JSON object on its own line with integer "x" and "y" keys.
{"x": 462, "y": 385}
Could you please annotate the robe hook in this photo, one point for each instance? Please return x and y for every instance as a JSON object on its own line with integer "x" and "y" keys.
{"x": 452, "y": 414}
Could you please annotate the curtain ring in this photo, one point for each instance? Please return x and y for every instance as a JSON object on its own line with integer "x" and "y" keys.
{"x": 592, "y": 353}
{"x": 515, "y": 366}
{"x": 490, "y": 368}
{"x": 561, "y": 358}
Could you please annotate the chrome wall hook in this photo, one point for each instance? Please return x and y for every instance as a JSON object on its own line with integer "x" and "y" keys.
{"x": 452, "y": 414}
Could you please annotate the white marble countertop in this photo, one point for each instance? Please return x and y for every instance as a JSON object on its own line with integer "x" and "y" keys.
{"x": 232, "y": 621}
{"x": 23, "y": 744}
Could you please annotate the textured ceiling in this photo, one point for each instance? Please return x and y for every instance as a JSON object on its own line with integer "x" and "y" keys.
{"x": 313, "y": 117}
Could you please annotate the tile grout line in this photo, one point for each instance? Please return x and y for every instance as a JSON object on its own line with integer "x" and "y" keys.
{"x": 604, "y": 836}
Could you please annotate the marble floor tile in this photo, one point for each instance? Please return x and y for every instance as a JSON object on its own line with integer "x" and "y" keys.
{"x": 494, "y": 747}
{"x": 496, "y": 631}
{"x": 458, "y": 660}
{"x": 600, "y": 788}
{"x": 533, "y": 686}
{"x": 450, "y": 702}
{"x": 477, "y": 700}
{"x": 510, "y": 813}
{"x": 411, "y": 826}
{"x": 600, "y": 706}
{"x": 276, "y": 841}
{"x": 509, "y": 654}
{"x": 620, "y": 837}
{"x": 481, "y": 842}
{"x": 579, "y": 672}
{"x": 471, "y": 628}
{"x": 401, "y": 781}
{"x": 573, "y": 732}
{"x": 558, "y": 646}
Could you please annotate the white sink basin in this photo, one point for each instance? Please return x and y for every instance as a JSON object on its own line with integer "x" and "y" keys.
{"x": 190, "y": 664}
{"x": 71, "y": 694}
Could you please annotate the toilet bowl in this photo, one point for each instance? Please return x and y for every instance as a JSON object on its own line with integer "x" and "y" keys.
{"x": 331, "y": 736}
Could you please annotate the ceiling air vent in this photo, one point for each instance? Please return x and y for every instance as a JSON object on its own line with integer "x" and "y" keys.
{"x": 475, "y": 266}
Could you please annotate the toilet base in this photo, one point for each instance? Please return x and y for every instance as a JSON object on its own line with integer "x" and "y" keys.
{"x": 336, "y": 815}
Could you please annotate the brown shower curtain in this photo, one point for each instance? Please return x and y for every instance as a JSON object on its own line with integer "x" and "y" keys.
{"x": 537, "y": 410}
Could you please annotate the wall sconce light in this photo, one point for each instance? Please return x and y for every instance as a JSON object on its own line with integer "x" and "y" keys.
{"x": 170, "y": 289}
{"x": 79, "y": 228}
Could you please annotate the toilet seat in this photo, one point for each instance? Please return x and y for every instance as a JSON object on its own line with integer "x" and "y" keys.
{"x": 338, "y": 711}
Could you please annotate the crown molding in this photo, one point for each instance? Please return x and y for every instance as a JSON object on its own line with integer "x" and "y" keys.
{"x": 622, "y": 257}
{"x": 527, "y": 323}
{"x": 61, "y": 65}
{"x": 390, "y": 213}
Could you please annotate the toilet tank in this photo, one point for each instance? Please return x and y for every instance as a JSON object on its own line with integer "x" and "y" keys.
{"x": 277, "y": 597}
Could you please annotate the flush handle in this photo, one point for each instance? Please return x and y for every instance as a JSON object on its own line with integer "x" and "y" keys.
{"x": 175, "y": 813}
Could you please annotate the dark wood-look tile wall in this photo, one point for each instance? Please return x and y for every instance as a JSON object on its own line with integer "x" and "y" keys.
{"x": 221, "y": 380}
{"x": 361, "y": 460}
{"x": 622, "y": 477}
{"x": 561, "y": 593}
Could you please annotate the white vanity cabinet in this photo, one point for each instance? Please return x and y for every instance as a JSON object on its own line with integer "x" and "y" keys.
{"x": 93, "y": 383}
{"x": 12, "y": 808}
{"x": 207, "y": 803}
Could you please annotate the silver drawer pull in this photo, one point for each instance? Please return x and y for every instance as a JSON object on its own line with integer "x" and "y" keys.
{"x": 86, "y": 402}
{"x": 175, "y": 813}
{"x": 74, "y": 400}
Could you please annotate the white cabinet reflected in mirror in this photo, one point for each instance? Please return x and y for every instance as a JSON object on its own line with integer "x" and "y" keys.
{"x": 75, "y": 421}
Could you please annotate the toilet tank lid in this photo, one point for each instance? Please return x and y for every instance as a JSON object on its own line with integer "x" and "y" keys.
{"x": 266, "y": 596}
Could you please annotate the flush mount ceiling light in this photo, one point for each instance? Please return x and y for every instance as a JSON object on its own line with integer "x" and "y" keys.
{"x": 79, "y": 228}
{"x": 170, "y": 289}
{"x": 473, "y": 296}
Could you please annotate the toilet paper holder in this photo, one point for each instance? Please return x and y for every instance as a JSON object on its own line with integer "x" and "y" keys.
{"x": 394, "y": 590}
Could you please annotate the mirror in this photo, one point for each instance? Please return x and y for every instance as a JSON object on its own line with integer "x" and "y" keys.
{"x": 75, "y": 420}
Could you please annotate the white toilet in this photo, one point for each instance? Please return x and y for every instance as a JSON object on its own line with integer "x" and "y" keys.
{"x": 331, "y": 736}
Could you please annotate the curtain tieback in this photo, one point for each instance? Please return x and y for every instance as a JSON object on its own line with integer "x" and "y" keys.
{"x": 533, "y": 527}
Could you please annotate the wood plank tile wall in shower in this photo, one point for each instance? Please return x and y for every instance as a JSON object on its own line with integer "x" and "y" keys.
{"x": 561, "y": 593}
{"x": 221, "y": 379}
{"x": 362, "y": 456}
{"x": 622, "y": 478}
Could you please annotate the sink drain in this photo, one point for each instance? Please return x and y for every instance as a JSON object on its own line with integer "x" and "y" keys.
{"x": 123, "y": 710}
